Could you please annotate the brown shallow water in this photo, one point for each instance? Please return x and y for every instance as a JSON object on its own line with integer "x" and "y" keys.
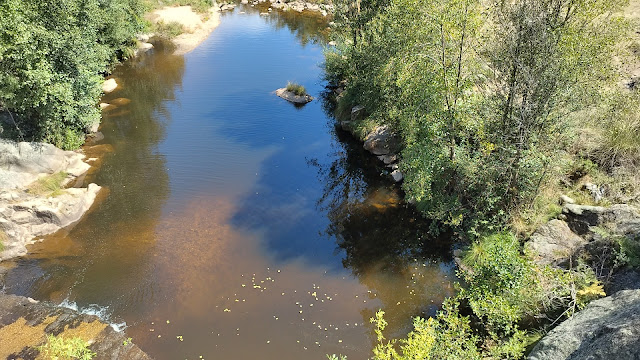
{"x": 234, "y": 225}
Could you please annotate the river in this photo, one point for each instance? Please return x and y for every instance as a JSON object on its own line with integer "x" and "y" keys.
{"x": 233, "y": 224}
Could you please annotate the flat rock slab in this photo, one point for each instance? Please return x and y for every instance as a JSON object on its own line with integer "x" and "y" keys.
{"x": 25, "y": 323}
{"x": 608, "y": 328}
{"x": 291, "y": 97}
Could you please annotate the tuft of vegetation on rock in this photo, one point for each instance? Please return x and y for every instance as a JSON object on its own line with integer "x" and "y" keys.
{"x": 296, "y": 89}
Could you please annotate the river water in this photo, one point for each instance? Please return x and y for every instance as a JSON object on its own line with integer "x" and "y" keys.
{"x": 234, "y": 225}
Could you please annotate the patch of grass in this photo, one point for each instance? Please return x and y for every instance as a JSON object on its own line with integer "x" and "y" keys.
{"x": 168, "y": 30}
{"x": 66, "y": 349}
{"x": 50, "y": 185}
{"x": 3, "y": 239}
{"x": 296, "y": 89}
{"x": 200, "y": 6}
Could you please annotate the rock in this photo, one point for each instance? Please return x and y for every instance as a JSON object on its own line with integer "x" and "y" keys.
{"x": 22, "y": 163}
{"x": 144, "y": 37}
{"x": 332, "y": 43}
{"x": 346, "y": 125}
{"x": 358, "y": 112}
{"x": 621, "y": 218}
{"x": 296, "y": 99}
{"x": 109, "y": 85}
{"x": 607, "y": 328}
{"x": 388, "y": 159}
{"x": 93, "y": 127}
{"x": 382, "y": 141}
{"x": 24, "y": 324}
{"x": 397, "y": 175}
{"x": 104, "y": 105}
{"x": 244, "y": 2}
{"x": 597, "y": 193}
{"x": 554, "y": 243}
{"x": 564, "y": 199}
{"x": 35, "y": 216}
{"x": 144, "y": 47}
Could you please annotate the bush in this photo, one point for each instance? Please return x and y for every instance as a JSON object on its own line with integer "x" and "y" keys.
{"x": 52, "y": 57}
{"x": 296, "y": 89}
{"x": 168, "y": 30}
{"x": 61, "y": 348}
{"x": 50, "y": 185}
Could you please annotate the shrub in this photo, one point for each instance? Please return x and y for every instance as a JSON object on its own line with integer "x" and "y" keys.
{"x": 168, "y": 30}
{"x": 296, "y": 89}
{"x": 61, "y": 348}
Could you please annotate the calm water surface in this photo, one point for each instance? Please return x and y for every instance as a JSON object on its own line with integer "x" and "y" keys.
{"x": 234, "y": 225}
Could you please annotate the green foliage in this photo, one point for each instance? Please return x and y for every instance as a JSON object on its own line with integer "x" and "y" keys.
{"x": 52, "y": 55}
{"x": 501, "y": 289}
{"x": 336, "y": 357}
{"x": 49, "y": 185}
{"x": 201, "y": 6}
{"x": 629, "y": 251}
{"x": 479, "y": 93}
{"x": 618, "y": 140}
{"x": 59, "y": 348}
{"x": 296, "y": 89}
{"x": 168, "y": 30}
{"x": 448, "y": 336}
{"x": 3, "y": 239}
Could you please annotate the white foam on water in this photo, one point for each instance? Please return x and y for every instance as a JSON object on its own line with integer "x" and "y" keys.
{"x": 102, "y": 312}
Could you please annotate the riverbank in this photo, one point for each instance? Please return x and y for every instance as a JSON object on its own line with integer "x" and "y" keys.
{"x": 29, "y": 328}
{"x": 37, "y": 196}
{"x": 194, "y": 27}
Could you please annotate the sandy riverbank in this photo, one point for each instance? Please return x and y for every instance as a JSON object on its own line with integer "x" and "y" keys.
{"x": 197, "y": 26}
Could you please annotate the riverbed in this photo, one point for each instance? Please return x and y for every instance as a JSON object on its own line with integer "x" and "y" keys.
{"x": 235, "y": 225}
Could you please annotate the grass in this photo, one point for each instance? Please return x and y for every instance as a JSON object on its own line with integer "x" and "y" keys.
{"x": 50, "y": 185}
{"x": 168, "y": 30}
{"x": 3, "y": 239}
{"x": 296, "y": 89}
{"x": 66, "y": 349}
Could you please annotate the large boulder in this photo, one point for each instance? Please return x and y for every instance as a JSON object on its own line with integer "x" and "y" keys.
{"x": 25, "y": 323}
{"x": 22, "y": 163}
{"x": 621, "y": 219}
{"x": 382, "y": 141}
{"x": 554, "y": 243}
{"x": 608, "y": 328}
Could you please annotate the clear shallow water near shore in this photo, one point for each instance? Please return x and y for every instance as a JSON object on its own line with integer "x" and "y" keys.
{"x": 235, "y": 225}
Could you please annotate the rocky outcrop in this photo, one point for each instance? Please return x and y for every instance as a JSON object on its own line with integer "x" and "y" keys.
{"x": 382, "y": 141}
{"x": 298, "y": 6}
{"x": 608, "y": 328}
{"x": 26, "y": 213}
{"x": 291, "y": 97}
{"x": 25, "y": 323}
{"x": 554, "y": 243}
{"x": 583, "y": 229}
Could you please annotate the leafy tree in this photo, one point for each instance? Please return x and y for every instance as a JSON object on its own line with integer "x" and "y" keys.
{"x": 52, "y": 55}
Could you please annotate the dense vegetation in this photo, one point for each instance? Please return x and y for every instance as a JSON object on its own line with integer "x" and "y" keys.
{"x": 53, "y": 55}
{"x": 501, "y": 106}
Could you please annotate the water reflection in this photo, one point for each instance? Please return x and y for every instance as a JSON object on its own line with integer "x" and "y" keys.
{"x": 94, "y": 259}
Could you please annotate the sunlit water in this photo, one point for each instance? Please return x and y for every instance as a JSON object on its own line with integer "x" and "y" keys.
{"x": 234, "y": 225}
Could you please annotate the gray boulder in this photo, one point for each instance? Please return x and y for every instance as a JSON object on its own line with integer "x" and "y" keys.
{"x": 291, "y": 97}
{"x": 608, "y": 328}
{"x": 382, "y": 141}
{"x": 358, "y": 112}
{"x": 554, "y": 243}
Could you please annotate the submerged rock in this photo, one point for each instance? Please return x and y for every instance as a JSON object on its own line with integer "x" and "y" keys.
{"x": 25, "y": 323}
{"x": 608, "y": 328}
{"x": 291, "y": 97}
